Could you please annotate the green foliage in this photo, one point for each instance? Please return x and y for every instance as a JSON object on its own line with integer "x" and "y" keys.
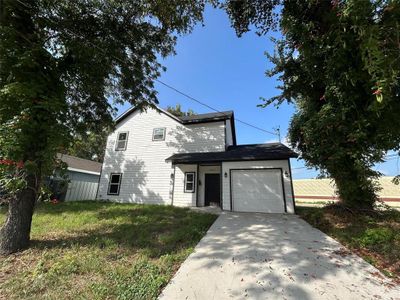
{"x": 89, "y": 145}
{"x": 377, "y": 238}
{"x": 177, "y": 111}
{"x": 100, "y": 250}
{"x": 339, "y": 62}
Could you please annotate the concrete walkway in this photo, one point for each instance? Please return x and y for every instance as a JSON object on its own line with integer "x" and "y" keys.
{"x": 260, "y": 256}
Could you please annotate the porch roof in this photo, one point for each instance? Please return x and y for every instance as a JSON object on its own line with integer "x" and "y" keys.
{"x": 270, "y": 151}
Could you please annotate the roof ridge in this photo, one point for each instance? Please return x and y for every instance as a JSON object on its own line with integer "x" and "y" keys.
{"x": 80, "y": 158}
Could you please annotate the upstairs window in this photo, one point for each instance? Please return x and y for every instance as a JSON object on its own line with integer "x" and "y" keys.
{"x": 189, "y": 182}
{"x": 122, "y": 141}
{"x": 158, "y": 134}
{"x": 114, "y": 184}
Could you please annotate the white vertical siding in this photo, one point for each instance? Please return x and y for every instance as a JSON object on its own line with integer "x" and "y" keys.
{"x": 182, "y": 198}
{"x": 229, "y": 134}
{"x": 226, "y": 166}
{"x": 146, "y": 176}
{"x": 82, "y": 186}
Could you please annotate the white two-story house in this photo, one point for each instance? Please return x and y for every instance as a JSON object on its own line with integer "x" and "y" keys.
{"x": 155, "y": 157}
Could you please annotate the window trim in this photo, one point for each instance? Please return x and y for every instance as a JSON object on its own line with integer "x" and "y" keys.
{"x": 126, "y": 141}
{"x": 119, "y": 184}
{"x": 165, "y": 133}
{"x": 194, "y": 183}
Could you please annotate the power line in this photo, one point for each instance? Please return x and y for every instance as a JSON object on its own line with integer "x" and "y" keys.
{"x": 163, "y": 83}
{"x": 210, "y": 107}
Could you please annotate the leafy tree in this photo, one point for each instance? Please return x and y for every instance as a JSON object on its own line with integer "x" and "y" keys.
{"x": 89, "y": 145}
{"x": 177, "y": 111}
{"x": 339, "y": 62}
{"x": 60, "y": 63}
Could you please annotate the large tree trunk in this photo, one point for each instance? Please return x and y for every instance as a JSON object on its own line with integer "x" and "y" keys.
{"x": 15, "y": 234}
{"x": 356, "y": 187}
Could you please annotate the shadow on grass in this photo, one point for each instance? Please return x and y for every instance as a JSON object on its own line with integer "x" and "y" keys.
{"x": 73, "y": 206}
{"x": 153, "y": 229}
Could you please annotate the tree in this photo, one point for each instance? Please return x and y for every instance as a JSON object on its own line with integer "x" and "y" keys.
{"x": 60, "y": 63}
{"x": 177, "y": 111}
{"x": 89, "y": 145}
{"x": 339, "y": 62}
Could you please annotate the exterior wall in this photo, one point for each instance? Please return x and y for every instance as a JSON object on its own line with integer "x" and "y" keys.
{"x": 82, "y": 186}
{"x": 324, "y": 190}
{"x": 202, "y": 171}
{"x": 226, "y": 166}
{"x": 180, "y": 197}
{"x": 146, "y": 177}
{"x": 229, "y": 134}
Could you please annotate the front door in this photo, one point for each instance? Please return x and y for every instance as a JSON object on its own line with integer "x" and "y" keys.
{"x": 212, "y": 192}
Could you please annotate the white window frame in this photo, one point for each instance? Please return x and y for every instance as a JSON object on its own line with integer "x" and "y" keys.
{"x": 163, "y": 136}
{"x": 118, "y": 184}
{"x": 193, "y": 182}
{"x": 118, "y": 140}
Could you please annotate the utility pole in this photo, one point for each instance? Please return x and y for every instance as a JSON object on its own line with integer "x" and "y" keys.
{"x": 278, "y": 132}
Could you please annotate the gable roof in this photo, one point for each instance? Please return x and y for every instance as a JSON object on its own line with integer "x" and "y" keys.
{"x": 269, "y": 151}
{"x": 193, "y": 119}
{"x": 79, "y": 164}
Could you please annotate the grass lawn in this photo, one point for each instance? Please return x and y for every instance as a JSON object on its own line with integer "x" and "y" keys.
{"x": 95, "y": 250}
{"x": 375, "y": 237}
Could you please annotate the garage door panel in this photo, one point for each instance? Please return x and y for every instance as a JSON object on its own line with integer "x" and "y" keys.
{"x": 257, "y": 191}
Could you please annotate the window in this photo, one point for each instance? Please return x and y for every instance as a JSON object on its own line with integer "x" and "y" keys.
{"x": 122, "y": 141}
{"x": 189, "y": 182}
{"x": 158, "y": 134}
{"x": 115, "y": 183}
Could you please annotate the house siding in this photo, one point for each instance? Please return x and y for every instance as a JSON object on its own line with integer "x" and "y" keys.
{"x": 81, "y": 186}
{"x": 146, "y": 176}
{"x": 229, "y": 134}
{"x": 283, "y": 164}
{"x": 182, "y": 198}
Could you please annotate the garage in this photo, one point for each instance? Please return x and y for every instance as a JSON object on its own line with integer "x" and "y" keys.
{"x": 257, "y": 190}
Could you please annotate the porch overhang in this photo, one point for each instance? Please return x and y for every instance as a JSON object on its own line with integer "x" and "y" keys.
{"x": 270, "y": 151}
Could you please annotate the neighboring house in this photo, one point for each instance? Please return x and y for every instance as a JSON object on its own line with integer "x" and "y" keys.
{"x": 155, "y": 157}
{"x": 320, "y": 191}
{"x": 83, "y": 177}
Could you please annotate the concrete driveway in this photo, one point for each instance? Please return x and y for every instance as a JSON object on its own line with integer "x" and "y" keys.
{"x": 261, "y": 256}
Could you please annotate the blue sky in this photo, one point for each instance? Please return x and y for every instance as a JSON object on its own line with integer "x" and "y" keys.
{"x": 216, "y": 67}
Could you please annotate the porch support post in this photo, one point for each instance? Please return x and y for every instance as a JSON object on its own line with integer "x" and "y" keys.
{"x": 197, "y": 186}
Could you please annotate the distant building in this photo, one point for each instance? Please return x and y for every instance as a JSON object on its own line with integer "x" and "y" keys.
{"x": 83, "y": 179}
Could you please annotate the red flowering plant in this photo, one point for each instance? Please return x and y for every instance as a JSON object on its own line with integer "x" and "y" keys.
{"x": 12, "y": 174}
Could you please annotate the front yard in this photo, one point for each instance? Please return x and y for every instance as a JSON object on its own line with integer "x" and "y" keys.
{"x": 373, "y": 236}
{"x": 95, "y": 250}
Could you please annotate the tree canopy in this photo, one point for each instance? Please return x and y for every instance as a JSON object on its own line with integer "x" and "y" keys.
{"x": 177, "y": 111}
{"x": 89, "y": 145}
{"x": 339, "y": 62}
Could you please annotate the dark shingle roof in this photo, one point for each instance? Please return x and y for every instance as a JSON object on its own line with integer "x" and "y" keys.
{"x": 198, "y": 118}
{"x": 209, "y": 117}
{"x": 268, "y": 151}
{"x": 80, "y": 163}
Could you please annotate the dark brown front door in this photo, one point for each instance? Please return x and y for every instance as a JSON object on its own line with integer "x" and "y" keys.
{"x": 212, "y": 192}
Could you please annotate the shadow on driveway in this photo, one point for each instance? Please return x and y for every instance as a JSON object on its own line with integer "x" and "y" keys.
{"x": 261, "y": 256}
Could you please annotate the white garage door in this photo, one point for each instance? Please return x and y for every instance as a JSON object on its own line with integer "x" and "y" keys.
{"x": 257, "y": 191}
